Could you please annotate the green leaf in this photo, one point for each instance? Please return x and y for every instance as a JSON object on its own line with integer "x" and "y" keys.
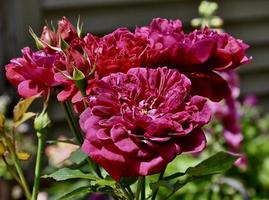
{"x": 38, "y": 42}
{"x": 22, "y": 107}
{"x": 66, "y": 173}
{"x": 108, "y": 181}
{"x": 79, "y": 27}
{"x": 24, "y": 118}
{"x": 216, "y": 164}
{"x": 63, "y": 44}
{"x": 161, "y": 183}
{"x": 75, "y": 194}
{"x": 77, "y": 157}
{"x": 175, "y": 175}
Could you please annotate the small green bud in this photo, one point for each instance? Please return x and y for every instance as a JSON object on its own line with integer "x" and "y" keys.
{"x": 42, "y": 121}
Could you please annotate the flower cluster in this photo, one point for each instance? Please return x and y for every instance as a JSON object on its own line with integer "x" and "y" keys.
{"x": 141, "y": 95}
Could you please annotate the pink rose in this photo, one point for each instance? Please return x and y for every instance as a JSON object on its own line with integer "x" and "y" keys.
{"x": 137, "y": 122}
{"x": 198, "y": 54}
{"x": 164, "y": 36}
{"x": 33, "y": 73}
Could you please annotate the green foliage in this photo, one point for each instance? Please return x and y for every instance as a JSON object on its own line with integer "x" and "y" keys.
{"x": 75, "y": 194}
{"x": 66, "y": 173}
{"x": 217, "y": 164}
{"x": 201, "y": 171}
{"x": 78, "y": 157}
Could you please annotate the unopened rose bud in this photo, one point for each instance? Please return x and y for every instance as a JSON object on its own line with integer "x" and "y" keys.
{"x": 42, "y": 121}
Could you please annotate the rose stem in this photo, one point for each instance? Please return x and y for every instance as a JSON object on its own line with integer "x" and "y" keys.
{"x": 73, "y": 124}
{"x": 141, "y": 188}
{"x": 40, "y": 147}
{"x": 11, "y": 171}
{"x": 129, "y": 196}
{"x": 157, "y": 189}
{"x": 19, "y": 169}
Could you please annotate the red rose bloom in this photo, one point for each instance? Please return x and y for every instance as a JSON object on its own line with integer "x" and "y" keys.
{"x": 115, "y": 52}
{"x": 119, "y": 51}
{"x": 138, "y": 122}
{"x": 33, "y": 73}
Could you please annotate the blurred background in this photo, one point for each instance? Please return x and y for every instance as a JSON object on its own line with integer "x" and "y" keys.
{"x": 244, "y": 19}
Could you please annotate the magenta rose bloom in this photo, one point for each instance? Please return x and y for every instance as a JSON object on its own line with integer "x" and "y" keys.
{"x": 211, "y": 50}
{"x": 198, "y": 54}
{"x": 137, "y": 122}
{"x": 65, "y": 31}
{"x": 33, "y": 73}
{"x": 164, "y": 36}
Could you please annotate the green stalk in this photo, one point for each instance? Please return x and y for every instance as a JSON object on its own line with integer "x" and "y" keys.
{"x": 143, "y": 190}
{"x": 73, "y": 124}
{"x": 130, "y": 191}
{"x": 11, "y": 171}
{"x": 40, "y": 149}
{"x": 140, "y": 188}
{"x": 155, "y": 192}
{"x": 24, "y": 183}
{"x": 129, "y": 196}
{"x": 19, "y": 170}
